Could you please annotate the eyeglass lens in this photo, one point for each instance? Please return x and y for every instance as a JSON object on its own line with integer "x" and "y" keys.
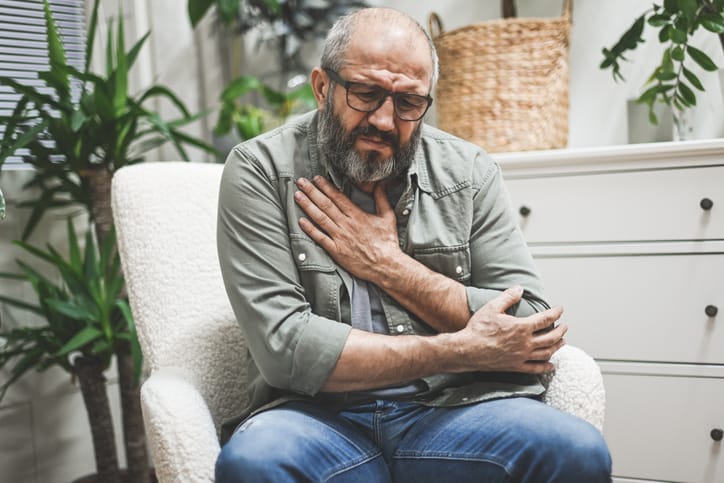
{"x": 368, "y": 98}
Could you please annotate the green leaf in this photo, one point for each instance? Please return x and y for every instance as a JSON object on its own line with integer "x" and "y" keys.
{"x": 713, "y": 23}
{"x": 239, "y": 87}
{"x": 91, "y": 35}
{"x": 82, "y": 338}
{"x": 23, "y": 140}
{"x": 227, "y": 9}
{"x": 21, "y": 304}
{"x": 133, "y": 53}
{"x": 677, "y": 53}
{"x": 56, "y": 52}
{"x": 666, "y": 63}
{"x": 29, "y": 360}
{"x": 72, "y": 310}
{"x": 658, "y": 20}
{"x": 121, "y": 73}
{"x": 693, "y": 79}
{"x": 136, "y": 354}
{"x": 159, "y": 90}
{"x": 687, "y": 94}
{"x": 701, "y": 58}
{"x": 665, "y": 76}
{"x": 678, "y": 36}
{"x": 197, "y": 9}
{"x": 689, "y": 7}
{"x": 665, "y": 33}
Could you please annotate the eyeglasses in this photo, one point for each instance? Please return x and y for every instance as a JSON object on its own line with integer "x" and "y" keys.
{"x": 368, "y": 98}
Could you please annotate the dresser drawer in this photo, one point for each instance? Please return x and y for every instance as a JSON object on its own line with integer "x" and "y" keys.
{"x": 659, "y": 428}
{"x": 641, "y": 308}
{"x": 636, "y": 205}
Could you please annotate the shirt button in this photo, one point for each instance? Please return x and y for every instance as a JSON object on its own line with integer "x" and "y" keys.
{"x": 458, "y": 269}
{"x": 405, "y": 212}
{"x": 400, "y": 329}
{"x": 302, "y": 257}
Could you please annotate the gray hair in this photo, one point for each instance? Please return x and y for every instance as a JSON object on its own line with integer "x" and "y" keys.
{"x": 340, "y": 35}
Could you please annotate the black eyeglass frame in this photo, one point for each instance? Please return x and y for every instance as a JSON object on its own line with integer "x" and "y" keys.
{"x": 395, "y": 95}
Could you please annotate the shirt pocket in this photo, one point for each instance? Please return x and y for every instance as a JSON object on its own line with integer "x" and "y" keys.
{"x": 451, "y": 261}
{"x": 309, "y": 256}
{"x": 318, "y": 276}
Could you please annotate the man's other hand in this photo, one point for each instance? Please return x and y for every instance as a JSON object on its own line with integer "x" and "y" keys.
{"x": 496, "y": 341}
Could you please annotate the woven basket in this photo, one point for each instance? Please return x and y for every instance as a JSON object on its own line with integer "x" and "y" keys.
{"x": 504, "y": 83}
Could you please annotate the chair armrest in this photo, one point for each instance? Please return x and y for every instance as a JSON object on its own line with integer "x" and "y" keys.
{"x": 576, "y": 386}
{"x": 183, "y": 440}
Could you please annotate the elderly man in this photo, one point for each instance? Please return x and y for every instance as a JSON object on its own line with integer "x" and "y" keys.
{"x": 392, "y": 310}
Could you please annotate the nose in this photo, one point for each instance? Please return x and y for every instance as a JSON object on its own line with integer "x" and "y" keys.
{"x": 383, "y": 118}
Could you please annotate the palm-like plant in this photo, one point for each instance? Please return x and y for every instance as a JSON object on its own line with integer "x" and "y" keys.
{"x": 75, "y": 146}
{"x": 87, "y": 320}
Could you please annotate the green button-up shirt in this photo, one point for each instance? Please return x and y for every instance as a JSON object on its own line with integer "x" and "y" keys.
{"x": 292, "y": 300}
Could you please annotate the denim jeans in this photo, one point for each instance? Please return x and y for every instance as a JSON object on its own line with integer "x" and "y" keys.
{"x": 504, "y": 440}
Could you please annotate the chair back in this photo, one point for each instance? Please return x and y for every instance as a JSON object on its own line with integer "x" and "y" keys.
{"x": 165, "y": 217}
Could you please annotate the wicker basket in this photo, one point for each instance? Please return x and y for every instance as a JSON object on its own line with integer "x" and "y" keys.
{"x": 504, "y": 83}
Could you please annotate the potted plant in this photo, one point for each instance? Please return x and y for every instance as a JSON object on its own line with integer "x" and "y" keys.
{"x": 75, "y": 146}
{"x": 248, "y": 105}
{"x": 87, "y": 321}
{"x": 673, "y": 82}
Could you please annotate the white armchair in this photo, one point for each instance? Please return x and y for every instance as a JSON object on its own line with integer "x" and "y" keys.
{"x": 165, "y": 216}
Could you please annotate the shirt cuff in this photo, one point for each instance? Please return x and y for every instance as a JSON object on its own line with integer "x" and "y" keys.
{"x": 316, "y": 354}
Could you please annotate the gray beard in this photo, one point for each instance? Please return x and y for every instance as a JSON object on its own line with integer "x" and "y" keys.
{"x": 337, "y": 146}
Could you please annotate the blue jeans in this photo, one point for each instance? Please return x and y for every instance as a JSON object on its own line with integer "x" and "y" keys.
{"x": 504, "y": 440}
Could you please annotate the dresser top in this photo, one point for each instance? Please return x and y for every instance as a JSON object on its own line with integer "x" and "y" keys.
{"x": 620, "y": 157}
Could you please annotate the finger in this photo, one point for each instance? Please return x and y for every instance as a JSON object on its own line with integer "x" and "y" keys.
{"x": 317, "y": 235}
{"x": 544, "y": 320}
{"x": 319, "y": 199}
{"x": 545, "y": 353}
{"x": 381, "y": 201}
{"x": 317, "y": 215}
{"x": 537, "y": 367}
{"x": 505, "y": 300}
{"x": 339, "y": 199}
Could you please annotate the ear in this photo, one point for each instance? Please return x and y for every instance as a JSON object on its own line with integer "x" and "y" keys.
{"x": 320, "y": 86}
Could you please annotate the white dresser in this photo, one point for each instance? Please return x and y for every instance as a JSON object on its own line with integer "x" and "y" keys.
{"x": 630, "y": 240}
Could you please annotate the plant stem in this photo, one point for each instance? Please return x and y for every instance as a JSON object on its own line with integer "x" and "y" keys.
{"x": 133, "y": 430}
{"x": 93, "y": 388}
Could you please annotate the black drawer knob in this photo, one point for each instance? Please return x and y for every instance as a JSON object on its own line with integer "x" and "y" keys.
{"x": 524, "y": 211}
{"x": 711, "y": 310}
{"x": 706, "y": 204}
{"x": 717, "y": 434}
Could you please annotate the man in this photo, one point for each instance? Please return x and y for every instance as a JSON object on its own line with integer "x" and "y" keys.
{"x": 391, "y": 308}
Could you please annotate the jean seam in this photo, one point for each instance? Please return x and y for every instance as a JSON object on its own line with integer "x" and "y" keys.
{"x": 343, "y": 468}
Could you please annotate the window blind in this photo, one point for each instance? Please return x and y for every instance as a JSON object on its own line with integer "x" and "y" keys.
{"x": 24, "y": 52}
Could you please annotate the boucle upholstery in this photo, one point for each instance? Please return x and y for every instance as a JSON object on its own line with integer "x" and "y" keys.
{"x": 165, "y": 215}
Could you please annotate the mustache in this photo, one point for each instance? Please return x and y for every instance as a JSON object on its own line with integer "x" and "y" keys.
{"x": 371, "y": 131}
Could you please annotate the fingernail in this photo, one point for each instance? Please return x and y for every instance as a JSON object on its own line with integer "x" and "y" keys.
{"x": 302, "y": 181}
{"x": 518, "y": 289}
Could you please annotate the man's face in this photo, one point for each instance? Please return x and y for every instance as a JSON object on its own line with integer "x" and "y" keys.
{"x": 366, "y": 166}
{"x": 366, "y": 147}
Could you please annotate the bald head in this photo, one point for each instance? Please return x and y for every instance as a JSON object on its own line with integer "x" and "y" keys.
{"x": 389, "y": 24}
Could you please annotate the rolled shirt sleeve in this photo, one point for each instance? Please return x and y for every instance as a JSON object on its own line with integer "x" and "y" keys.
{"x": 293, "y": 348}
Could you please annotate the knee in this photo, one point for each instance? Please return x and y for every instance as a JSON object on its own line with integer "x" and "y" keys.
{"x": 242, "y": 460}
{"x": 590, "y": 458}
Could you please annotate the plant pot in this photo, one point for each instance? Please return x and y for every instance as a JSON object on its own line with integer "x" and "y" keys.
{"x": 640, "y": 129}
